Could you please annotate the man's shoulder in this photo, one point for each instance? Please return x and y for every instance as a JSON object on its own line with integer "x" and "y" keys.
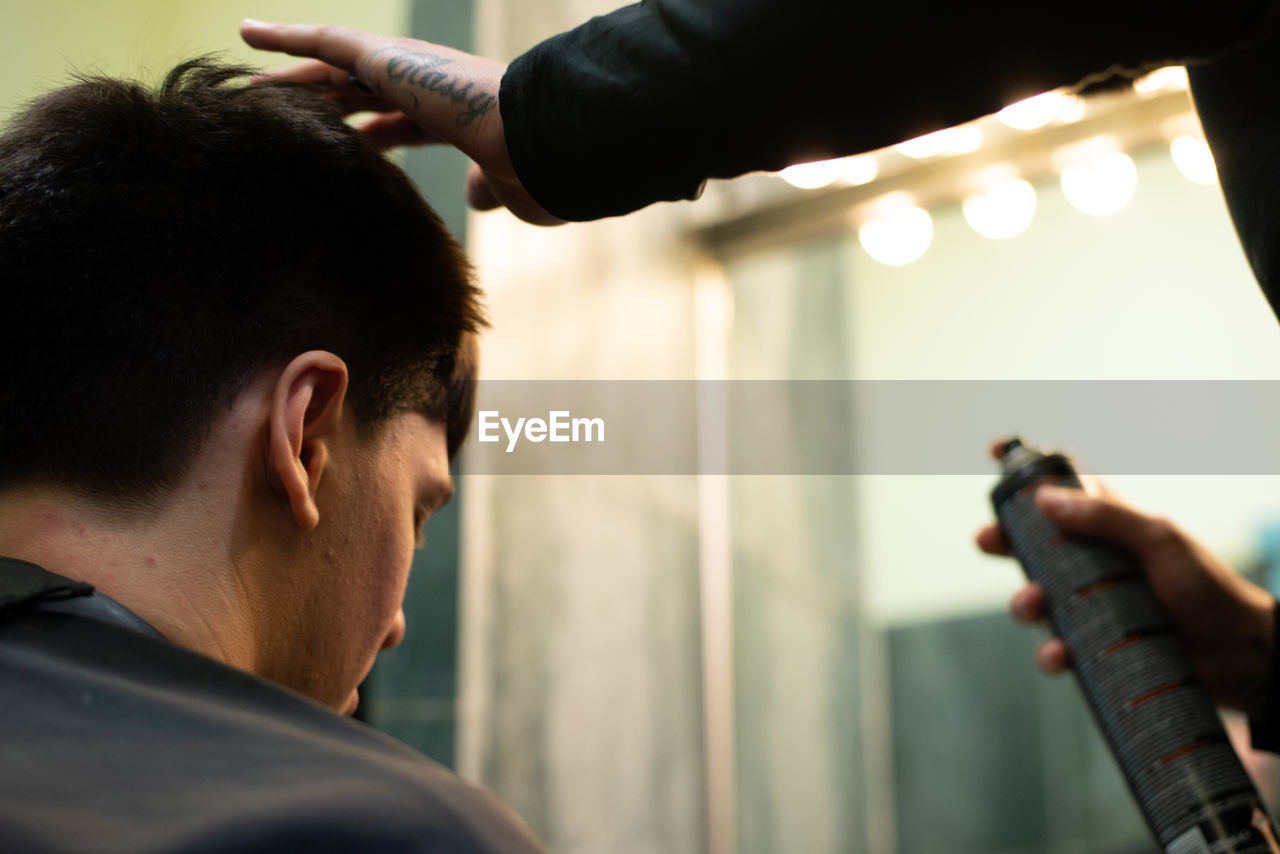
{"x": 124, "y": 736}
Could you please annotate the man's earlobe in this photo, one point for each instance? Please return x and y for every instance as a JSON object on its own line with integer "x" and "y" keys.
{"x": 306, "y": 408}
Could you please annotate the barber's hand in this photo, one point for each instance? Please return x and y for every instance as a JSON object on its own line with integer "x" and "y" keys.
{"x": 1223, "y": 621}
{"x": 422, "y": 93}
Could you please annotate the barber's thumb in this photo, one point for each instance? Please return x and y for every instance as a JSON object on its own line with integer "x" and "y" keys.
{"x": 1076, "y": 511}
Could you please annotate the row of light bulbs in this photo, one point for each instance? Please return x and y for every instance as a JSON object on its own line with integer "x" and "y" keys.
{"x": 1097, "y": 177}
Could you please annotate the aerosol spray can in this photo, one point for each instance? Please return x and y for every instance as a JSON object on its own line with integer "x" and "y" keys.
{"x": 1158, "y": 721}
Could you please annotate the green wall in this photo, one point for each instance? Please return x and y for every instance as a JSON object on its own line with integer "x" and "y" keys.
{"x": 413, "y": 690}
{"x": 41, "y": 43}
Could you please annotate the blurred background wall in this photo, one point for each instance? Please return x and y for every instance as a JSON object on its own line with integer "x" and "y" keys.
{"x": 844, "y": 646}
{"x": 682, "y": 663}
{"x": 44, "y": 42}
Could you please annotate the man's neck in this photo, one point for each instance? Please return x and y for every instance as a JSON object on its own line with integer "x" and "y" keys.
{"x": 156, "y": 564}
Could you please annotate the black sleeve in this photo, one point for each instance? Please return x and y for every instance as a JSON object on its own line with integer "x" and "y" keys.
{"x": 1264, "y": 721}
{"x": 1238, "y": 100}
{"x": 646, "y": 103}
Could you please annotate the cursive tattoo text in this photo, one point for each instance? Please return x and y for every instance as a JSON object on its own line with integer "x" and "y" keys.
{"x": 425, "y": 71}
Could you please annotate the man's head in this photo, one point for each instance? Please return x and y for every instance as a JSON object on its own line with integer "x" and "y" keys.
{"x": 226, "y": 278}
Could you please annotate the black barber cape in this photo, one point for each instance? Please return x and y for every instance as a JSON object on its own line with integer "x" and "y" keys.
{"x": 112, "y": 739}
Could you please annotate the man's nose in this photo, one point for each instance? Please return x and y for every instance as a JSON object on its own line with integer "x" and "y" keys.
{"x": 396, "y": 633}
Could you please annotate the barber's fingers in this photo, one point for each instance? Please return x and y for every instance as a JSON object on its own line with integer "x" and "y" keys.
{"x": 391, "y": 130}
{"x": 1027, "y": 604}
{"x": 340, "y": 88}
{"x": 1051, "y": 656}
{"x": 991, "y": 540}
{"x": 1105, "y": 518}
{"x": 313, "y": 72}
{"x": 335, "y": 52}
{"x": 337, "y": 46}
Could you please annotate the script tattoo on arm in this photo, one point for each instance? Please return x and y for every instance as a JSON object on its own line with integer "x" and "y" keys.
{"x": 427, "y": 71}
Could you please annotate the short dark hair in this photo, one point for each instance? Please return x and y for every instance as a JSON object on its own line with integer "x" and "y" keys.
{"x": 159, "y": 248}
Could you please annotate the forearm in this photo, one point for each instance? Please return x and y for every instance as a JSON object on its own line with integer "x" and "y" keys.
{"x": 646, "y": 103}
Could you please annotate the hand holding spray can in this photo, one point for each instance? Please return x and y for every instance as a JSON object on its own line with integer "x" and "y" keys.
{"x": 1161, "y": 726}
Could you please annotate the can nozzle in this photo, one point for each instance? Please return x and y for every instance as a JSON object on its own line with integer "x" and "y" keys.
{"x": 1014, "y": 455}
{"x": 1008, "y": 446}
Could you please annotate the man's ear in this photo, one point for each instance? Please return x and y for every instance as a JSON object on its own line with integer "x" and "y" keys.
{"x": 306, "y": 408}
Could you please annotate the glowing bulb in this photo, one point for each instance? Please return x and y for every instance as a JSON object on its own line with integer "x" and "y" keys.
{"x": 1034, "y": 112}
{"x": 1192, "y": 157}
{"x": 920, "y": 148}
{"x": 1071, "y": 109}
{"x": 957, "y": 140}
{"x": 962, "y": 140}
{"x": 1170, "y": 77}
{"x": 1103, "y": 186}
{"x": 898, "y": 236}
{"x": 1087, "y": 152}
{"x": 859, "y": 170}
{"x": 811, "y": 176}
{"x": 1185, "y": 124}
{"x": 1003, "y": 211}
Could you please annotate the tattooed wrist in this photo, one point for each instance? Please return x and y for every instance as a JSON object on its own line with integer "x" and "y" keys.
{"x": 429, "y": 72}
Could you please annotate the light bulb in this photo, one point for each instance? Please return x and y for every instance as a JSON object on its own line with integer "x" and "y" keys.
{"x": 861, "y": 169}
{"x": 1103, "y": 186}
{"x": 1072, "y": 108}
{"x": 1168, "y": 78}
{"x": 1003, "y": 211}
{"x": 1034, "y": 112}
{"x": 957, "y": 140}
{"x": 812, "y": 176}
{"x": 1192, "y": 157}
{"x": 898, "y": 236}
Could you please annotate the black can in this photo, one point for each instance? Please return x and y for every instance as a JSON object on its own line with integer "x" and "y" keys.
{"x": 1161, "y": 726}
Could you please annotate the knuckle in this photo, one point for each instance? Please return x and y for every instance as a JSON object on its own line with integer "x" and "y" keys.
{"x": 1161, "y": 532}
{"x": 1017, "y": 607}
{"x": 1088, "y": 511}
{"x": 1102, "y": 510}
{"x": 330, "y": 34}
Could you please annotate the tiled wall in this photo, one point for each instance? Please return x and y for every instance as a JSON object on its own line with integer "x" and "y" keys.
{"x": 801, "y": 779}
{"x": 801, "y": 771}
{"x": 993, "y": 757}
